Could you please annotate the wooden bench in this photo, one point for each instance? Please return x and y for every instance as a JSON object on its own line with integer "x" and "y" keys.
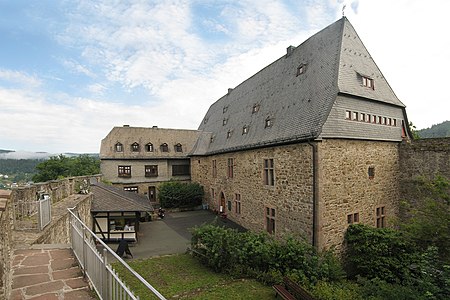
{"x": 291, "y": 291}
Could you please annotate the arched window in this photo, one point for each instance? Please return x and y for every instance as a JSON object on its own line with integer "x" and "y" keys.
{"x": 149, "y": 147}
{"x": 118, "y": 147}
{"x": 164, "y": 148}
{"x": 135, "y": 147}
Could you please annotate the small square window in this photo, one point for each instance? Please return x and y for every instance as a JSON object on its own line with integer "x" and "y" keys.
{"x": 301, "y": 69}
{"x": 225, "y": 109}
{"x": 355, "y": 116}
{"x": 362, "y": 117}
{"x": 371, "y": 172}
{"x": 229, "y": 133}
{"x": 380, "y": 217}
{"x": 367, "y": 118}
{"x": 348, "y": 114}
{"x": 368, "y": 82}
{"x": 374, "y": 119}
{"x": 268, "y": 123}
{"x": 255, "y": 108}
{"x": 394, "y": 122}
{"x": 245, "y": 129}
{"x": 353, "y": 218}
{"x": 224, "y": 122}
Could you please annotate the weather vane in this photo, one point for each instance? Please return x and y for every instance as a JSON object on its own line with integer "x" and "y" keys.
{"x": 343, "y": 10}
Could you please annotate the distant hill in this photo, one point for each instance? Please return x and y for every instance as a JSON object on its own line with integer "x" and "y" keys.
{"x": 9, "y": 154}
{"x": 435, "y": 131}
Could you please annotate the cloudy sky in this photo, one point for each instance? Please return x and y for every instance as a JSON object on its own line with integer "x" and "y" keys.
{"x": 71, "y": 70}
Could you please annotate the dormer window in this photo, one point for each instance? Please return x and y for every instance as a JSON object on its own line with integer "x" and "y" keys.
{"x": 368, "y": 82}
{"x": 301, "y": 69}
{"x": 255, "y": 108}
{"x": 205, "y": 120}
{"x": 229, "y": 133}
{"x": 268, "y": 122}
{"x": 245, "y": 129}
{"x": 225, "y": 108}
{"x": 149, "y": 147}
{"x": 178, "y": 148}
{"x": 224, "y": 122}
{"x": 135, "y": 147}
{"x": 164, "y": 148}
{"x": 212, "y": 139}
{"x": 118, "y": 147}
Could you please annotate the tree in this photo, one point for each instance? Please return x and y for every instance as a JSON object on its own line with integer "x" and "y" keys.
{"x": 61, "y": 166}
{"x": 414, "y": 131}
{"x": 178, "y": 194}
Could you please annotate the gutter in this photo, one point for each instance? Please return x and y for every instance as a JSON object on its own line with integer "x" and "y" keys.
{"x": 315, "y": 160}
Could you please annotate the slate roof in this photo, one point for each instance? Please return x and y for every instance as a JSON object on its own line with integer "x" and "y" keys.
{"x": 128, "y": 135}
{"x": 112, "y": 199}
{"x": 297, "y": 104}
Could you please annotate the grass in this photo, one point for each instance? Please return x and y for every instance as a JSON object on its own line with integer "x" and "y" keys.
{"x": 183, "y": 277}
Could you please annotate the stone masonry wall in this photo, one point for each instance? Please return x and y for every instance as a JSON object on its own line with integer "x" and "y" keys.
{"x": 347, "y": 189}
{"x": 6, "y": 226}
{"x": 422, "y": 158}
{"x": 64, "y": 195}
{"x": 291, "y": 195}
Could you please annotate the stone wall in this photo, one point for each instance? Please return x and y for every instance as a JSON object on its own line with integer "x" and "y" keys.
{"x": 291, "y": 196}
{"x": 422, "y": 158}
{"x": 64, "y": 194}
{"x": 6, "y": 225}
{"x": 346, "y": 188}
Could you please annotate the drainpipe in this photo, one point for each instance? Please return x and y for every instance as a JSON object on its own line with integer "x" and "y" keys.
{"x": 315, "y": 161}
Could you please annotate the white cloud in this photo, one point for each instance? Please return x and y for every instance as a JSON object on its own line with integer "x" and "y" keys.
{"x": 19, "y": 78}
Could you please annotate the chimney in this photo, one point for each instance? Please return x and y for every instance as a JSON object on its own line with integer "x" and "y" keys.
{"x": 126, "y": 125}
{"x": 289, "y": 50}
{"x": 154, "y": 127}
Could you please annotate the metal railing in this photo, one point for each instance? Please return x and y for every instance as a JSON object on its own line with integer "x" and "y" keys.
{"x": 94, "y": 263}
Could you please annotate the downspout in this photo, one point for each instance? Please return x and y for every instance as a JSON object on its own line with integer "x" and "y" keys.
{"x": 315, "y": 167}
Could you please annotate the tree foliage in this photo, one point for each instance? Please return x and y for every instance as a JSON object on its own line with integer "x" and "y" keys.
{"x": 263, "y": 257}
{"x": 436, "y": 131}
{"x": 62, "y": 166}
{"x": 178, "y": 194}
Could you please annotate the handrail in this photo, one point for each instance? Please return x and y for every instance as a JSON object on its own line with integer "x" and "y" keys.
{"x": 119, "y": 259}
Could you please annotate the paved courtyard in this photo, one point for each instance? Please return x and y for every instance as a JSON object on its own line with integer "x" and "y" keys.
{"x": 171, "y": 235}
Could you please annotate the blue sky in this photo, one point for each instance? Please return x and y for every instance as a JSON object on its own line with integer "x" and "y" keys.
{"x": 71, "y": 70}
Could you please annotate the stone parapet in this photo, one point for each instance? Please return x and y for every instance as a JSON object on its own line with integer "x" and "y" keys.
{"x": 6, "y": 223}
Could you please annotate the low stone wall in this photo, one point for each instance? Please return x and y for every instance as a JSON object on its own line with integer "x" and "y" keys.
{"x": 65, "y": 194}
{"x": 6, "y": 225}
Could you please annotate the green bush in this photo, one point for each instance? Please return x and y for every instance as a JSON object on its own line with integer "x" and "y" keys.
{"x": 378, "y": 252}
{"x": 177, "y": 194}
{"x": 261, "y": 256}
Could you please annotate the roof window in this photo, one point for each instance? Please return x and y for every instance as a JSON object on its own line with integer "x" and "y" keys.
{"x": 135, "y": 147}
{"x": 224, "y": 122}
{"x": 229, "y": 133}
{"x": 255, "y": 108}
{"x": 301, "y": 69}
{"x": 368, "y": 82}
{"x": 118, "y": 147}
{"x": 268, "y": 122}
{"x": 245, "y": 129}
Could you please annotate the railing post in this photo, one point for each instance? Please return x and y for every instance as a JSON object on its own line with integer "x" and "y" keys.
{"x": 105, "y": 275}
{"x": 83, "y": 230}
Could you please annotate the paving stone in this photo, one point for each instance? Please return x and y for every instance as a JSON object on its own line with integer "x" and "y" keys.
{"x": 31, "y": 270}
{"x": 84, "y": 294}
{"x": 53, "y": 286}
{"x": 27, "y": 280}
{"x": 62, "y": 264}
{"x": 60, "y": 253}
{"x": 26, "y": 252}
{"x": 36, "y": 260}
{"x": 76, "y": 283}
{"x": 50, "y": 296}
{"x": 66, "y": 274}
{"x": 16, "y": 295}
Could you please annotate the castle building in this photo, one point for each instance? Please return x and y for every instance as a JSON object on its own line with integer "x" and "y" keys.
{"x": 304, "y": 147}
{"x": 138, "y": 159}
